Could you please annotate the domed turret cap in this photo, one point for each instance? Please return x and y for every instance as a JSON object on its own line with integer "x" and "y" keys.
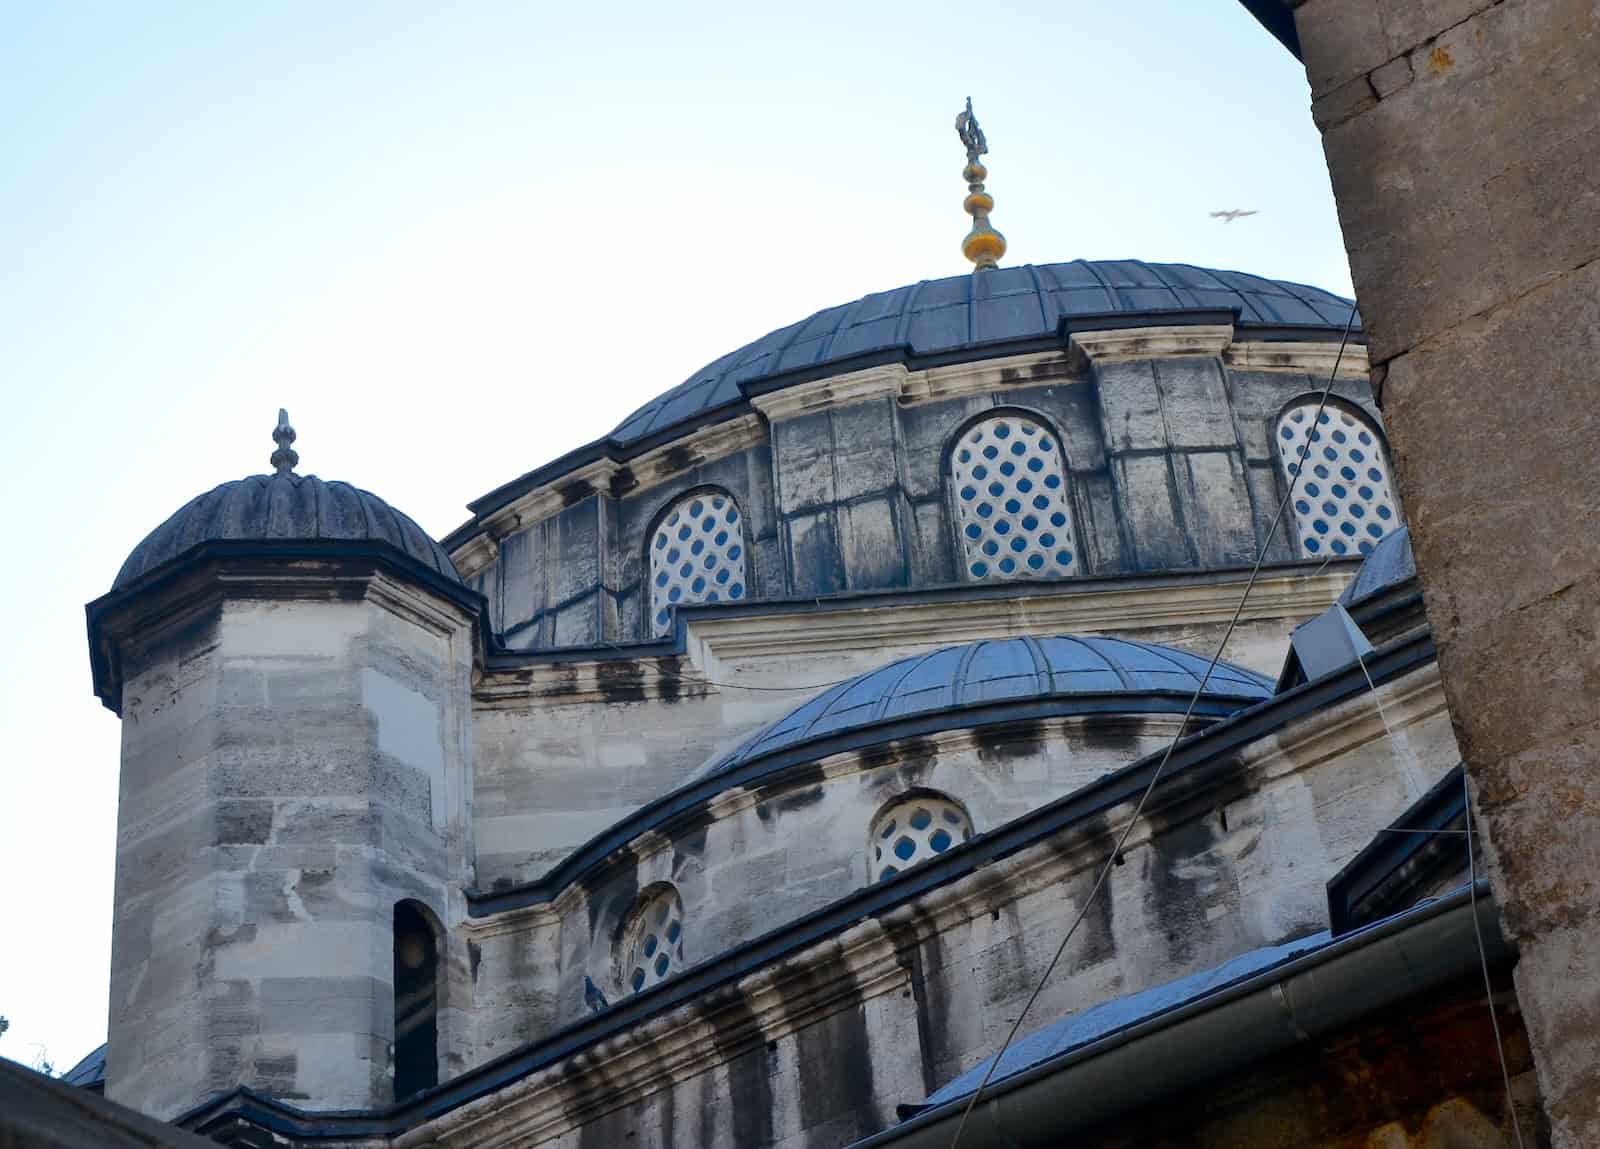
{"x": 286, "y": 507}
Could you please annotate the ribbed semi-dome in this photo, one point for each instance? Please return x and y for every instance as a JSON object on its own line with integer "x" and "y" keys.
{"x": 1107, "y": 675}
{"x": 966, "y": 312}
{"x": 283, "y": 507}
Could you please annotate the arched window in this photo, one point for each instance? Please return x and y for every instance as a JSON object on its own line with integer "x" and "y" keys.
{"x": 416, "y": 1000}
{"x": 913, "y": 829}
{"x": 1344, "y": 503}
{"x": 696, "y": 555}
{"x": 652, "y": 943}
{"x": 1009, "y": 480}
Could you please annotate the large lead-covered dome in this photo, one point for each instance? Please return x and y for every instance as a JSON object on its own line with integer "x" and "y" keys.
{"x": 964, "y": 312}
{"x": 283, "y": 507}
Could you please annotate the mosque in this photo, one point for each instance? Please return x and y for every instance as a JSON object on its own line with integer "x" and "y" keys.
{"x": 1028, "y": 662}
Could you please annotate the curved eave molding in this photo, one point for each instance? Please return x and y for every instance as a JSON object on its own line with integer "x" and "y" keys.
{"x": 716, "y": 796}
{"x": 607, "y": 465}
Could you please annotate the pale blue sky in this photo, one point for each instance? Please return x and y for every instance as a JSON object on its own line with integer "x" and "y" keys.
{"x": 457, "y": 241}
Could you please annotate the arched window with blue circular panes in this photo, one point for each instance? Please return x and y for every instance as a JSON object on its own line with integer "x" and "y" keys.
{"x": 1344, "y": 501}
{"x": 697, "y": 554}
{"x": 652, "y": 944}
{"x": 913, "y": 829}
{"x": 1008, "y": 480}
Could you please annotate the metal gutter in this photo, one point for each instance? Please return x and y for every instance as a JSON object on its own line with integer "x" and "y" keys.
{"x": 1300, "y": 1001}
{"x": 1277, "y": 17}
{"x": 1357, "y": 892}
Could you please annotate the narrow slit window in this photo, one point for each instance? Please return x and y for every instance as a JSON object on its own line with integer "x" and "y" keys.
{"x": 416, "y": 1004}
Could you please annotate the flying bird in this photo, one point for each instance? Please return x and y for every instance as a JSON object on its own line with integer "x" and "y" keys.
{"x": 1233, "y": 214}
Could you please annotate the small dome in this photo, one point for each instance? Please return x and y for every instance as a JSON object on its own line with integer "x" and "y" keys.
{"x": 1388, "y": 565}
{"x": 283, "y": 507}
{"x": 1105, "y": 675}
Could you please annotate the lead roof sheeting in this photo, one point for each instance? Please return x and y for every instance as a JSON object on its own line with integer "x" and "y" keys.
{"x": 997, "y": 671}
{"x": 283, "y": 506}
{"x": 967, "y": 311}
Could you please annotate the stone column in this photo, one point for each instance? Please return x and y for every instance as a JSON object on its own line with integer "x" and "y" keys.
{"x": 1463, "y": 138}
{"x": 294, "y": 763}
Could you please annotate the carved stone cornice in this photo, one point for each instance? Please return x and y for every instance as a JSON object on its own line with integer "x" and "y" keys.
{"x": 1298, "y": 358}
{"x": 883, "y": 382}
{"x": 1124, "y": 344}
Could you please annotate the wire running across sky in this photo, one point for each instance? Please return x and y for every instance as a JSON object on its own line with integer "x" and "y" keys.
{"x": 1155, "y": 777}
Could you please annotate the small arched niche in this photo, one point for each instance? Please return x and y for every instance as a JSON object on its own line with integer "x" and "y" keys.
{"x": 416, "y": 999}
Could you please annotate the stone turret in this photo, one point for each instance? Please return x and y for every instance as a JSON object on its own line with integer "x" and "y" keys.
{"x": 291, "y": 660}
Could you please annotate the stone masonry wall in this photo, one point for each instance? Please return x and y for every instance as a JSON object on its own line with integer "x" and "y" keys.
{"x": 820, "y": 1049}
{"x": 1464, "y": 144}
{"x": 291, "y": 769}
{"x": 552, "y": 771}
{"x": 1171, "y": 465}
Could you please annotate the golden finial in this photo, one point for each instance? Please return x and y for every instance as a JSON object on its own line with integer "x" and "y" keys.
{"x": 984, "y": 245}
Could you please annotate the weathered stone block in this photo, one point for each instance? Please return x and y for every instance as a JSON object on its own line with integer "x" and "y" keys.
{"x": 816, "y": 565}
{"x": 1391, "y": 77}
{"x": 1195, "y": 403}
{"x": 1149, "y": 504}
{"x": 1130, "y": 406}
{"x": 1340, "y": 40}
{"x": 803, "y": 447}
{"x": 1408, "y": 23}
{"x": 870, "y": 544}
{"x": 1215, "y": 502}
{"x": 577, "y": 531}
{"x": 864, "y": 459}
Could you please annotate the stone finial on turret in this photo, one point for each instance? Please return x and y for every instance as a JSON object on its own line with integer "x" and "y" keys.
{"x": 284, "y": 458}
{"x": 984, "y": 245}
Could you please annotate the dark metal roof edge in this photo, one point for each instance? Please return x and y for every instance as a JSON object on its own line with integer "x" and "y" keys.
{"x": 106, "y": 677}
{"x": 1443, "y": 805}
{"x": 1196, "y": 751}
{"x": 1467, "y": 901}
{"x": 608, "y": 447}
{"x": 675, "y": 642}
{"x": 1278, "y": 19}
